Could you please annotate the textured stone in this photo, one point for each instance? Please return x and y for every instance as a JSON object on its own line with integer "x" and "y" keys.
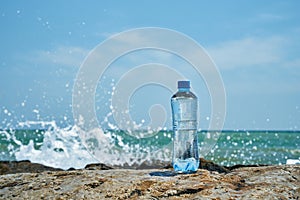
{"x": 268, "y": 182}
{"x": 11, "y": 167}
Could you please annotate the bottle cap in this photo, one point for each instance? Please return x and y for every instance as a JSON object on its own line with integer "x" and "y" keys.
{"x": 183, "y": 84}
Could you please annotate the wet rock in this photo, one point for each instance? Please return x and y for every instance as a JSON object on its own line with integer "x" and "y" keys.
{"x": 239, "y": 166}
{"x": 210, "y": 166}
{"x": 12, "y": 167}
{"x": 97, "y": 166}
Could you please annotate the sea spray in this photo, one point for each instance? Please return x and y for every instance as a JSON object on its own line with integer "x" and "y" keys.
{"x": 60, "y": 148}
{"x": 46, "y": 143}
{"x": 71, "y": 147}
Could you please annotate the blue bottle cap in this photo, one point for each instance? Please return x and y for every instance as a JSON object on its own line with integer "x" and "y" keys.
{"x": 183, "y": 84}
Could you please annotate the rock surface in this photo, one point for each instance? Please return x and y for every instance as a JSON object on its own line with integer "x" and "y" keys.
{"x": 267, "y": 182}
{"x": 25, "y": 166}
{"x": 12, "y": 167}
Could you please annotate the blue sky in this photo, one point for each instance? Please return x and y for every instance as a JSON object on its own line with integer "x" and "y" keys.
{"x": 255, "y": 44}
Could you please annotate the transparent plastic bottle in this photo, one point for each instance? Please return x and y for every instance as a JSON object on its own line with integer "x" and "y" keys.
{"x": 185, "y": 140}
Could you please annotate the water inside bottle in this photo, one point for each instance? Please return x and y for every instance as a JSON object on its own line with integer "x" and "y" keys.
{"x": 185, "y": 141}
{"x": 185, "y": 147}
{"x": 186, "y": 165}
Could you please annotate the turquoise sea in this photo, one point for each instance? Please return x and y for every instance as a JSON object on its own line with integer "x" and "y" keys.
{"x": 63, "y": 148}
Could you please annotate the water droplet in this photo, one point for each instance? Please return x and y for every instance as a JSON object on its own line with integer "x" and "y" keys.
{"x": 208, "y": 136}
{"x": 35, "y": 111}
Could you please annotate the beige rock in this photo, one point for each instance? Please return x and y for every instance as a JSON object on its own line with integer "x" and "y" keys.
{"x": 272, "y": 182}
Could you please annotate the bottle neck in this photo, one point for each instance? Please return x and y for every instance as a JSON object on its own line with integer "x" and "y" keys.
{"x": 183, "y": 89}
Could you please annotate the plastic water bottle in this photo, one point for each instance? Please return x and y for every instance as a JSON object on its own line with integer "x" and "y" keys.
{"x": 185, "y": 140}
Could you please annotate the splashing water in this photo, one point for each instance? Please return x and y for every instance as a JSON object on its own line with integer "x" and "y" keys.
{"x": 67, "y": 147}
{"x": 64, "y": 148}
{"x": 60, "y": 147}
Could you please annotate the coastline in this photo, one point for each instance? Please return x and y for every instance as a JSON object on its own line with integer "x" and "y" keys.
{"x": 98, "y": 181}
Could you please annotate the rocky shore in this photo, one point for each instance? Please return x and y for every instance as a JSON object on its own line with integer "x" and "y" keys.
{"x": 25, "y": 180}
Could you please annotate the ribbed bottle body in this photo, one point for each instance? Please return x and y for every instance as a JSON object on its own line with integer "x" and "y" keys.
{"x": 185, "y": 140}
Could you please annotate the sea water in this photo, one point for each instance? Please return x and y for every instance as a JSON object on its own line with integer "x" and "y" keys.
{"x": 62, "y": 147}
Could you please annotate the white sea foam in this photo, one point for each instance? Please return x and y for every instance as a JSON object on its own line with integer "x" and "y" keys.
{"x": 293, "y": 161}
{"x": 61, "y": 148}
{"x": 67, "y": 148}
